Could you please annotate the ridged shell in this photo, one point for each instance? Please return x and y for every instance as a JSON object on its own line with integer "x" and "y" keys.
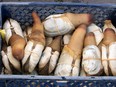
{"x": 35, "y": 56}
{"x": 53, "y": 61}
{"x": 45, "y": 57}
{"x": 12, "y": 60}
{"x": 112, "y": 55}
{"x": 104, "y": 59}
{"x": 15, "y": 25}
{"x": 66, "y": 38}
{"x": 56, "y": 25}
{"x": 6, "y": 62}
{"x": 91, "y": 61}
{"x": 28, "y": 49}
{"x": 64, "y": 66}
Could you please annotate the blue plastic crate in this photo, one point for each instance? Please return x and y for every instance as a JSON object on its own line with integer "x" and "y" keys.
{"x": 22, "y": 13}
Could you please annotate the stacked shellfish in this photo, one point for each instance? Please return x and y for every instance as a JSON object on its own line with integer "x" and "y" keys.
{"x": 63, "y": 44}
{"x": 22, "y": 53}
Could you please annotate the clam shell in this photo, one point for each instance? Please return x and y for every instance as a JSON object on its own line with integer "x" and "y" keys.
{"x": 6, "y": 62}
{"x": 91, "y": 61}
{"x": 53, "y": 61}
{"x": 64, "y": 66}
{"x": 76, "y": 68}
{"x": 16, "y": 27}
{"x": 35, "y": 56}
{"x": 66, "y": 38}
{"x": 45, "y": 57}
{"x": 104, "y": 59}
{"x": 12, "y": 60}
{"x": 57, "y": 24}
{"x": 97, "y": 32}
{"x": 28, "y": 49}
{"x": 112, "y": 55}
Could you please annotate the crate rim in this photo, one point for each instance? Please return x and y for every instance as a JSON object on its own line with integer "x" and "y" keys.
{"x": 59, "y": 4}
{"x": 35, "y": 77}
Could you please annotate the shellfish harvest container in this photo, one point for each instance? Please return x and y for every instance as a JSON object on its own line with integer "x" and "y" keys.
{"x": 22, "y": 13}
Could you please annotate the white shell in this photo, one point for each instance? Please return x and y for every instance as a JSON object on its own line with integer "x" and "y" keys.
{"x": 53, "y": 61}
{"x": 12, "y": 60}
{"x": 28, "y": 49}
{"x": 64, "y": 66}
{"x": 66, "y": 38}
{"x": 91, "y": 67}
{"x": 76, "y": 68}
{"x": 35, "y": 56}
{"x": 57, "y": 25}
{"x": 97, "y": 32}
{"x": 16, "y": 27}
{"x": 112, "y": 55}
{"x": 6, "y": 62}
{"x": 45, "y": 57}
{"x": 104, "y": 59}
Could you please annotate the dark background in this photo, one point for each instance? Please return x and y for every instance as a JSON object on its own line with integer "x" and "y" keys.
{"x": 85, "y": 1}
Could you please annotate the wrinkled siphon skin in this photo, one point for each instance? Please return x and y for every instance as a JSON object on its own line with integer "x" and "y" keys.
{"x": 37, "y": 37}
{"x": 78, "y": 19}
{"x": 109, "y": 36}
{"x": 17, "y": 44}
{"x": 90, "y": 39}
{"x": 37, "y": 42}
{"x": 69, "y": 61}
{"x": 37, "y": 34}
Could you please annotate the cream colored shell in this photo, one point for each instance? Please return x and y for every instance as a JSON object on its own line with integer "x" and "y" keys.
{"x": 16, "y": 27}
{"x": 45, "y": 57}
{"x": 91, "y": 61}
{"x": 109, "y": 58}
{"x": 53, "y": 61}
{"x": 12, "y": 60}
{"x": 6, "y": 62}
{"x": 66, "y": 39}
{"x": 32, "y": 55}
{"x": 57, "y": 24}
